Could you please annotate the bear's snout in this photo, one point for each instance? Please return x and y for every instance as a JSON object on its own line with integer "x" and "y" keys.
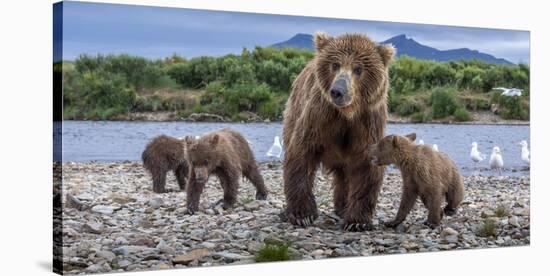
{"x": 201, "y": 174}
{"x": 339, "y": 92}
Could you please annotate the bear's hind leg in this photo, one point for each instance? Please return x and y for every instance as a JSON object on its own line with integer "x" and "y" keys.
{"x": 253, "y": 174}
{"x": 159, "y": 180}
{"x": 435, "y": 212}
{"x": 454, "y": 197}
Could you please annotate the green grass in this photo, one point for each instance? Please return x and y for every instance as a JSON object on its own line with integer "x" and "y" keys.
{"x": 462, "y": 115}
{"x": 273, "y": 252}
{"x": 487, "y": 229}
{"x": 501, "y": 211}
{"x": 247, "y": 200}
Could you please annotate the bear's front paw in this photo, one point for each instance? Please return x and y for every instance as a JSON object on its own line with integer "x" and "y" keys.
{"x": 225, "y": 204}
{"x": 357, "y": 227}
{"x": 191, "y": 210}
{"x": 431, "y": 224}
{"x": 392, "y": 223}
{"x": 449, "y": 211}
{"x": 261, "y": 196}
{"x": 303, "y": 218}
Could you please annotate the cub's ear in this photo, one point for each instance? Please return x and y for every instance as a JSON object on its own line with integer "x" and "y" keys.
{"x": 411, "y": 136}
{"x": 386, "y": 51}
{"x": 215, "y": 140}
{"x": 321, "y": 40}
{"x": 188, "y": 140}
{"x": 394, "y": 141}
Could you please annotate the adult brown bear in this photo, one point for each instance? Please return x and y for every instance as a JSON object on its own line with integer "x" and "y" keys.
{"x": 337, "y": 108}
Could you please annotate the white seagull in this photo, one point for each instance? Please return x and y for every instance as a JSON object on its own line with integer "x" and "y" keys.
{"x": 475, "y": 154}
{"x": 434, "y": 147}
{"x": 276, "y": 149}
{"x": 510, "y": 92}
{"x": 525, "y": 152}
{"x": 496, "y": 161}
{"x": 421, "y": 142}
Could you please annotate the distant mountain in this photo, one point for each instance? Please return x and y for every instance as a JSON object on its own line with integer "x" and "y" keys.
{"x": 300, "y": 41}
{"x": 406, "y": 46}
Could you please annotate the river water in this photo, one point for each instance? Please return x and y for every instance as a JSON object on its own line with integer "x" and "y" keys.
{"x": 104, "y": 141}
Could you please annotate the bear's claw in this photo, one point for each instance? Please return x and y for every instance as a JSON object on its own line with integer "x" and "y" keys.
{"x": 431, "y": 224}
{"x": 357, "y": 227}
{"x": 391, "y": 224}
{"x": 190, "y": 211}
{"x": 302, "y": 221}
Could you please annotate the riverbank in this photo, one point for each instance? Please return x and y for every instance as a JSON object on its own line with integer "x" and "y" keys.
{"x": 478, "y": 118}
{"x": 112, "y": 221}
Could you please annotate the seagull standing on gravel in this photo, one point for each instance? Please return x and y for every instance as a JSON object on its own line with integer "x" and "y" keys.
{"x": 525, "y": 152}
{"x": 475, "y": 154}
{"x": 496, "y": 161}
{"x": 276, "y": 149}
{"x": 434, "y": 147}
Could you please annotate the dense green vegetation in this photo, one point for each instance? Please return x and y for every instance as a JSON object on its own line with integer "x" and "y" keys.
{"x": 259, "y": 81}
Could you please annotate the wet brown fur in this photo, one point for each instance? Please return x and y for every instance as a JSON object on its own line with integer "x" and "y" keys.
{"x": 316, "y": 131}
{"x": 226, "y": 154}
{"x": 426, "y": 173}
{"x": 164, "y": 154}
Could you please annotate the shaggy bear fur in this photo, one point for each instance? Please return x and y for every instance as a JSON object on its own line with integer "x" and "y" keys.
{"x": 426, "y": 173}
{"x": 226, "y": 154}
{"x": 338, "y": 106}
{"x": 164, "y": 154}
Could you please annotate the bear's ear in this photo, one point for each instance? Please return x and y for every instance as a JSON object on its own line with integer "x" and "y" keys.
{"x": 394, "y": 141}
{"x": 411, "y": 136}
{"x": 321, "y": 40}
{"x": 215, "y": 140}
{"x": 188, "y": 140}
{"x": 386, "y": 51}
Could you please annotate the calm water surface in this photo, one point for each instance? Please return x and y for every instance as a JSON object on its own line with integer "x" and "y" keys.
{"x": 85, "y": 141}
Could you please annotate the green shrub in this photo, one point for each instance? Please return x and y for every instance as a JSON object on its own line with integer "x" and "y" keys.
{"x": 501, "y": 211}
{"x": 462, "y": 115}
{"x": 487, "y": 229}
{"x": 421, "y": 117}
{"x": 443, "y": 101}
{"x": 259, "y": 81}
{"x": 513, "y": 108}
{"x": 408, "y": 107}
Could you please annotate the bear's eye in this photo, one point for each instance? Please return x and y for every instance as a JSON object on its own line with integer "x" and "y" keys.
{"x": 335, "y": 66}
{"x": 357, "y": 70}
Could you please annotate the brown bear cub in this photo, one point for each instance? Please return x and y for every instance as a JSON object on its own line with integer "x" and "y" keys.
{"x": 226, "y": 154}
{"x": 426, "y": 173}
{"x": 337, "y": 108}
{"x": 164, "y": 154}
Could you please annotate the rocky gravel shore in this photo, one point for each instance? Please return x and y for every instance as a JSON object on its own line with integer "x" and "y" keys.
{"x": 112, "y": 221}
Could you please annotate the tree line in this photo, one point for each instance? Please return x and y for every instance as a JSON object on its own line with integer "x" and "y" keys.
{"x": 102, "y": 87}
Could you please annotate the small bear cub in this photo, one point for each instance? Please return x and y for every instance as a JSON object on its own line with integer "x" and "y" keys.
{"x": 164, "y": 154}
{"x": 226, "y": 154}
{"x": 426, "y": 173}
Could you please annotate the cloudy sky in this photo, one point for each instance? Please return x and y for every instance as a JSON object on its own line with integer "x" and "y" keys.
{"x": 159, "y": 32}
